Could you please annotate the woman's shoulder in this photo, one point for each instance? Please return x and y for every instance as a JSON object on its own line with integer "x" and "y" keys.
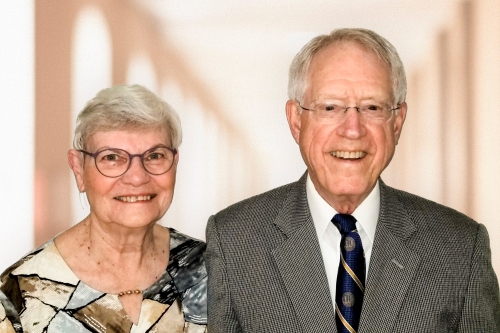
{"x": 185, "y": 248}
{"x": 188, "y": 272}
{"x": 9, "y": 317}
{"x": 186, "y": 260}
{"x": 25, "y": 259}
{"x": 30, "y": 266}
{"x": 44, "y": 262}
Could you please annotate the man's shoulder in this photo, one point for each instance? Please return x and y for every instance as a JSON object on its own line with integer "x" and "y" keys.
{"x": 260, "y": 207}
{"x": 421, "y": 209}
{"x": 267, "y": 200}
{"x": 437, "y": 232}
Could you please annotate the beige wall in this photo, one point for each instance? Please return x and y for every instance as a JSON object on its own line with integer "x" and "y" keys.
{"x": 485, "y": 157}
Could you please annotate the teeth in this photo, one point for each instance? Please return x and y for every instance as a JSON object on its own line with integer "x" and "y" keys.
{"x": 135, "y": 199}
{"x": 348, "y": 155}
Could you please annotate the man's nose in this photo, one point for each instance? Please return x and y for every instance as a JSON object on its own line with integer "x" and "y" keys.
{"x": 351, "y": 125}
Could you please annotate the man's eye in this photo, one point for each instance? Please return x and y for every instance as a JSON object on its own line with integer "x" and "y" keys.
{"x": 329, "y": 107}
{"x": 374, "y": 108}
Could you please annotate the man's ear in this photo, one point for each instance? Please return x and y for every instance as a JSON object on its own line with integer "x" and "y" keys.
{"x": 294, "y": 119}
{"x": 399, "y": 121}
{"x": 75, "y": 161}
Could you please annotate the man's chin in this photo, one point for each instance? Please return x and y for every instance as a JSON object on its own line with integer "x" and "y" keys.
{"x": 349, "y": 188}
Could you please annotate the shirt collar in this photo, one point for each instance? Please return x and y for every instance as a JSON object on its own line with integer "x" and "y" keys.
{"x": 322, "y": 213}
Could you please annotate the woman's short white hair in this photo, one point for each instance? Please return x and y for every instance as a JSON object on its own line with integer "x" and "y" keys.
{"x": 369, "y": 40}
{"x": 126, "y": 107}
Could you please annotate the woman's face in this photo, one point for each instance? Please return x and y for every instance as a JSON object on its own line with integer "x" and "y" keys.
{"x": 135, "y": 199}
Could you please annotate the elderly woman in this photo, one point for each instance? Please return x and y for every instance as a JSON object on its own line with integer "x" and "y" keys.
{"x": 117, "y": 270}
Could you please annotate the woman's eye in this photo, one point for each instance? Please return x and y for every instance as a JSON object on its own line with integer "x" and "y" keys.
{"x": 111, "y": 157}
{"x": 155, "y": 156}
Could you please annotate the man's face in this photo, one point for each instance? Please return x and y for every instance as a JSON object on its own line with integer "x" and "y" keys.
{"x": 345, "y": 157}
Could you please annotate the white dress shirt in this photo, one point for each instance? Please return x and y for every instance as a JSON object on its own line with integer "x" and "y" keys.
{"x": 329, "y": 236}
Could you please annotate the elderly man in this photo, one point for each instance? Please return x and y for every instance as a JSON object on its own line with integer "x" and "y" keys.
{"x": 340, "y": 251}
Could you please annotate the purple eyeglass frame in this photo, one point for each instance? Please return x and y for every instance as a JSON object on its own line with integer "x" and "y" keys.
{"x": 131, "y": 156}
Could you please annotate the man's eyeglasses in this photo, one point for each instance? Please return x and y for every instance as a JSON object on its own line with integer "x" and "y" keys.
{"x": 328, "y": 111}
{"x": 114, "y": 162}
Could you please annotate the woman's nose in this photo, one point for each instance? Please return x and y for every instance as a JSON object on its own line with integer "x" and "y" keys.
{"x": 136, "y": 172}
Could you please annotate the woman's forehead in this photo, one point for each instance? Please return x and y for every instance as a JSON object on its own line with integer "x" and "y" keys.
{"x": 129, "y": 139}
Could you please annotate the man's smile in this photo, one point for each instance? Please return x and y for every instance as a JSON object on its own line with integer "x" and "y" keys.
{"x": 348, "y": 154}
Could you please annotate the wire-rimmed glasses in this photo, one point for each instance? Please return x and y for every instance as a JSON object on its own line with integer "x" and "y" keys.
{"x": 114, "y": 162}
{"x": 330, "y": 111}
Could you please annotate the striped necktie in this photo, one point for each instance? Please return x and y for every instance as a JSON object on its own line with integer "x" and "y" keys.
{"x": 351, "y": 275}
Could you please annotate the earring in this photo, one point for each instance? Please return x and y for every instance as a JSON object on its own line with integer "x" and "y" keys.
{"x": 82, "y": 194}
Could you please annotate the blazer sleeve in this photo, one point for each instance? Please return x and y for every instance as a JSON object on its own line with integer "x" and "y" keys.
{"x": 481, "y": 311}
{"x": 221, "y": 316}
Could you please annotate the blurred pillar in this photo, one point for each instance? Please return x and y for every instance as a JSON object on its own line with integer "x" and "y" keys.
{"x": 16, "y": 129}
{"x": 456, "y": 99}
{"x": 54, "y": 23}
{"x": 485, "y": 118}
{"x": 421, "y": 138}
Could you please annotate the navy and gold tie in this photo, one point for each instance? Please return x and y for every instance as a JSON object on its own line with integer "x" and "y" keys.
{"x": 351, "y": 275}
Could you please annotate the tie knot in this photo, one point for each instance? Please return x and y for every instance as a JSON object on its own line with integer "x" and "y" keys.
{"x": 344, "y": 222}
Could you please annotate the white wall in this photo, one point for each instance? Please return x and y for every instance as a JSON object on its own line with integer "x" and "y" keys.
{"x": 91, "y": 71}
{"x": 16, "y": 129}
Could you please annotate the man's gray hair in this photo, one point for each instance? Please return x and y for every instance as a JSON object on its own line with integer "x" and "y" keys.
{"x": 369, "y": 40}
{"x": 126, "y": 107}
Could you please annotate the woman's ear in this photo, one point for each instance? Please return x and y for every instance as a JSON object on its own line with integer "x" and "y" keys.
{"x": 75, "y": 161}
{"x": 177, "y": 157}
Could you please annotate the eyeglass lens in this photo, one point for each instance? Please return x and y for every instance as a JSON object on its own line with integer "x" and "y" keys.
{"x": 331, "y": 111}
{"x": 115, "y": 162}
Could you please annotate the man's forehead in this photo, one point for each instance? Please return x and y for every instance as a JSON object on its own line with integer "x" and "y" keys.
{"x": 347, "y": 68}
{"x": 348, "y": 60}
{"x": 374, "y": 92}
{"x": 338, "y": 48}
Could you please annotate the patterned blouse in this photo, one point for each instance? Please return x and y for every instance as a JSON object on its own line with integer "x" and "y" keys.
{"x": 40, "y": 293}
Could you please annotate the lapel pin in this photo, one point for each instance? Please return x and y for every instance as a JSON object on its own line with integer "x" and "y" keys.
{"x": 397, "y": 263}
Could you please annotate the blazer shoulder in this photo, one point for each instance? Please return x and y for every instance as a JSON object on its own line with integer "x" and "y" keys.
{"x": 257, "y": 208}
{"x": 422, "y": 210}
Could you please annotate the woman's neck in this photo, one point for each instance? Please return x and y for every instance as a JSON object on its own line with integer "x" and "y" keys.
{"x": 116, "y": 244}
{"x": 113, "y": 259}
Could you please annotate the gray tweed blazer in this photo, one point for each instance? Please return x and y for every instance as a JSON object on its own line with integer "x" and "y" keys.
{"x": 430, "y": 269}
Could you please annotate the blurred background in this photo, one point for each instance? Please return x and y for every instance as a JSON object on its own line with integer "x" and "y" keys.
{"x": 223, "y": 65}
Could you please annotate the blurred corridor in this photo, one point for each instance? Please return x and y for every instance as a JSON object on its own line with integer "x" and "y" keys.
{"x": 223, "y": 66}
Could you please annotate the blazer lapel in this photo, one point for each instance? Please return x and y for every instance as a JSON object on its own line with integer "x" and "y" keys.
{"x": 300, "y": 264}
{"x": 392, "y": 265}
